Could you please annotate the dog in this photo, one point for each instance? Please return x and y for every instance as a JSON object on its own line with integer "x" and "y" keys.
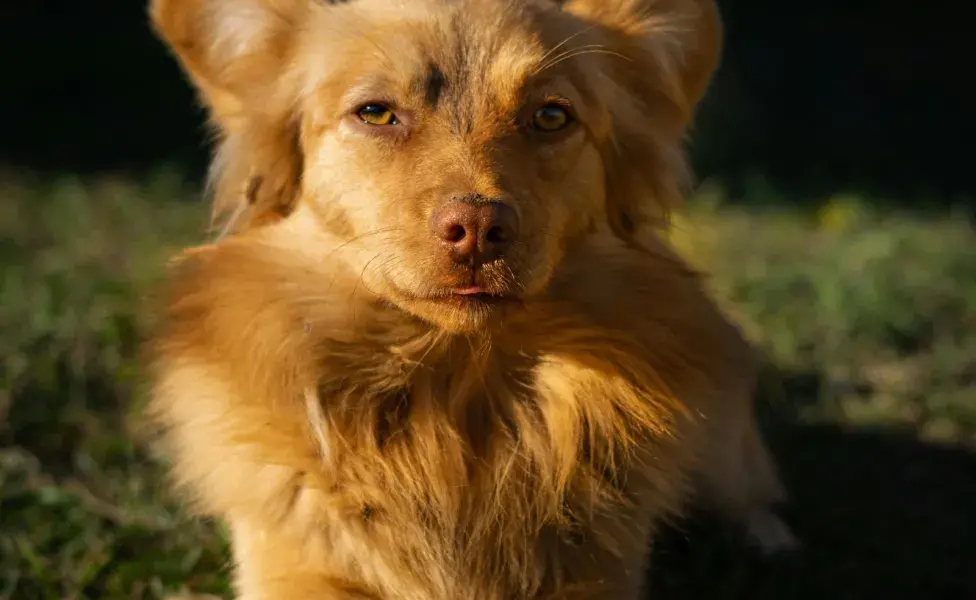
{"x": 440, "y": 349}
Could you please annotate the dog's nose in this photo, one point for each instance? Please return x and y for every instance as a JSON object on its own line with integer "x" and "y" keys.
{"x": 476, "y": 232}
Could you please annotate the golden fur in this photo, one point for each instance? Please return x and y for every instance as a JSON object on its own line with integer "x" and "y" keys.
{"x": 366, "y": 433}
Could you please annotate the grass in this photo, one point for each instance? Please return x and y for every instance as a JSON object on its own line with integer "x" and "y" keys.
{"x": 868, "y": 319}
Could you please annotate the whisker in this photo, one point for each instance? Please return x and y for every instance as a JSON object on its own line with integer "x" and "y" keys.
{"x": 438, "y": 336}
{"x": 513, "y": 279}
{"x": 379, "y": 267}
{"x": 567, "y": 56}
{"x": 361, "y": 280}
{"x": 362, "y": 236}
{"x": 551, "y": 59}
{"x": 564, "y": 42}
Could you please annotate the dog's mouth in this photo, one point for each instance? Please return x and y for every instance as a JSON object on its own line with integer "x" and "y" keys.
{"x": 474, "y": 294}
{"x": 467, "y": 287}
{"x": 471, "y": 290}
{"x": 460, "y": 300}
{"x": 463, "y": 296}
{"x": 459, "y": 306}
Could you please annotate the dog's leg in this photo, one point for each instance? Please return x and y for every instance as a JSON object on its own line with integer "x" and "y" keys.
{"x": 740, "y": 481}
{"x": 765, "y": 491}
{"x": 301, "y": 587}
{"x": 770, "y": 533}
{"x": 272, "y": 566}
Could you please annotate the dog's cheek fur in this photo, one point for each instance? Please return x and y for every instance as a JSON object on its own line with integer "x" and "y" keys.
{"x": 566, "y": 210}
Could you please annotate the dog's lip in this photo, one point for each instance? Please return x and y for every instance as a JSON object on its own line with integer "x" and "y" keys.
{"x": 460, "y": 294}
{"x": 472, "y": 290}
{"x": 473, "y": 294}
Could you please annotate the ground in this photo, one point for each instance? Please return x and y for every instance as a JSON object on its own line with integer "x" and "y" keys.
{"x": 867, "y": 318}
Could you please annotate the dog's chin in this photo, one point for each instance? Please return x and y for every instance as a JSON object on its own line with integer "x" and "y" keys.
{"x": 471, "y": 312}
{"x": 465, "y": 316}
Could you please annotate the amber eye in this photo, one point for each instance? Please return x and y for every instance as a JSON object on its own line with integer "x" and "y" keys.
{"x": 551, "y": 118}
{"x": 377, "y": 114}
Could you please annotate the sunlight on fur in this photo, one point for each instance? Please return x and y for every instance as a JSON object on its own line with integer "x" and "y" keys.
{"x": 440, "y": 350}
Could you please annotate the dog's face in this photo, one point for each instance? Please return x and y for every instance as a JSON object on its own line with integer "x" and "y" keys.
{"x": 451, "y": 157}
{"x": 455, "y": 149}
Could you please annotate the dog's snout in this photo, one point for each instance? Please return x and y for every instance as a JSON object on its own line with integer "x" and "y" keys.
{"x": 475, "y": 231}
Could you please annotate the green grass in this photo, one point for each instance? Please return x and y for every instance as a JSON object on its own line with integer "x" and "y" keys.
{"x": 868, "y": 319}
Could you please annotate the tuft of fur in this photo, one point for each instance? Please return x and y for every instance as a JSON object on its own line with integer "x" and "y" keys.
{"x": 362, "y": 434}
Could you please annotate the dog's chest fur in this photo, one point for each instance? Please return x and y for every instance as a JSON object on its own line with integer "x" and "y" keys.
{"x": 419, "y": 465}
{"x": 481, "y": 468}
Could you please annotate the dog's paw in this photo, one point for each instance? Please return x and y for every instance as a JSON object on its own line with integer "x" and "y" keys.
{"x": 771, "y": 534}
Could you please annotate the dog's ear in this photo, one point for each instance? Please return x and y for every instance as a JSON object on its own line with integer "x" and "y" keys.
{"x": 668, "y": 51}
{"x": 238, "y": 53}
{"x": 233, "y": 50}
{"x": 679, "y": 41}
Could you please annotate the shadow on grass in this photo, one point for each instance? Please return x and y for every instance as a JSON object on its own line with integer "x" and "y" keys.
{"x": 880, "y": 517}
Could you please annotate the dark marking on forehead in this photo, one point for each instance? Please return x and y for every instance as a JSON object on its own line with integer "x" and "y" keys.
{"x": 433, "y": 86}
{"x": 456, "y": 82}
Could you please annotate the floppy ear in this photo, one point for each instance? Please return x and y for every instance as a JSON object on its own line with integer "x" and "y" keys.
{"x": 670, "y": 49}
{"x": 238, "y": 55}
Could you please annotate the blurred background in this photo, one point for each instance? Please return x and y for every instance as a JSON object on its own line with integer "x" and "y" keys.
{"x": 836, "y": 214}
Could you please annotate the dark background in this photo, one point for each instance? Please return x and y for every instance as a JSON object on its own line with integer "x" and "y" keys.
{"x": 868, "y": 96}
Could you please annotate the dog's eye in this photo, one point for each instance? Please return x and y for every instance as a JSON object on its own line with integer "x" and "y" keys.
{"x": 377, "y": 114}
{"x": 551, "y": 118}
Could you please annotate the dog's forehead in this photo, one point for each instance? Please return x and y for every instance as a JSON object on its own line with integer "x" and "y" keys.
{"x": 490, "y": 44}
{"x": 473, "y": 63}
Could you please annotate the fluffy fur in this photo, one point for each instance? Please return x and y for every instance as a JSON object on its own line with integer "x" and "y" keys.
{"x": 364, "y": 432}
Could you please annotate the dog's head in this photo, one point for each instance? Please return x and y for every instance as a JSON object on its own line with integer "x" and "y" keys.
{"x": 455, "y": 148}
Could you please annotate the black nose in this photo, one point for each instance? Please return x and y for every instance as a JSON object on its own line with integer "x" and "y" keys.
{"x": 475, "y": 232}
